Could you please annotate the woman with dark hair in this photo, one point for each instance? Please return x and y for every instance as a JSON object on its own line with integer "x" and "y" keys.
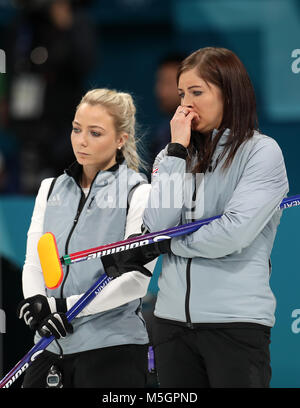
{"x": 215, "y": 307}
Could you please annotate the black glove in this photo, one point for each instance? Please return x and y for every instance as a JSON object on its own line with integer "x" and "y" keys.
{"x": 34, "y": 309}
{"x": 134, "y": 259}
{"x": 55, "y": 324}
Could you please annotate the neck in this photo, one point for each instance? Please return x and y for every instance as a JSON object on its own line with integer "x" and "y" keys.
{"x": 89, "y": 173}
{"x": 87, "y": 177}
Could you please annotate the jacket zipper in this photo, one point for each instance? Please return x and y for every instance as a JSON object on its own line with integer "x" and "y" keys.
{"x": 187, "y": 295}
{"x": 81, "y": 204}
{"x": 188, "y": 275}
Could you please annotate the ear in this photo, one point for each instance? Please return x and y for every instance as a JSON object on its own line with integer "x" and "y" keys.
{"x": 122, "y": 139}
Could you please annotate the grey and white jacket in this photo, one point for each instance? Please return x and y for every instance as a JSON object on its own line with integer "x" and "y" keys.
{"x": 81, "y": 222}
{"x": 220, "y": 273}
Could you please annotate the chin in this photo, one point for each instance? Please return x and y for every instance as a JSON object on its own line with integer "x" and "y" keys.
{"x": 197, "y": 128}
{"x": 202, "y": 129}
{"x": 82, "y": 161}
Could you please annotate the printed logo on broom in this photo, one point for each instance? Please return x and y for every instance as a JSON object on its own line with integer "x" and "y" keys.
{"x": 22, "y": 369}
{"x": 121, "y": 248}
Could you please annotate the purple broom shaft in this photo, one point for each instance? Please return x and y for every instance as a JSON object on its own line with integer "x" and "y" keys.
{"x": 44, "y": 342}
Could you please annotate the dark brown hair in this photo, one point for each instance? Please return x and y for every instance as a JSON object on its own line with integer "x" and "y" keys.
{"x": 224, "y": 69}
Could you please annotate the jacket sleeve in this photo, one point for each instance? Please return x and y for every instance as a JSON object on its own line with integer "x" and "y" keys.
{"x": 166, "y": 197}
{"x": 260, "y": 190}
{"x": 32, "y": 276}
{"x": 129, "y": 286}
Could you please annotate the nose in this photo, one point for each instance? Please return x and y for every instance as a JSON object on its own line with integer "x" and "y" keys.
{"x": 83, "y": 139}
{"x": 187, "y": 102}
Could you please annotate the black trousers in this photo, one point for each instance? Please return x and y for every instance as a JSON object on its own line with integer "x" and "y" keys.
{"x": 230, "y": 355}
{"x": 118, "y": 366}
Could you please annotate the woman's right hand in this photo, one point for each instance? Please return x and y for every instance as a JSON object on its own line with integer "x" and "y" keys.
{"x": 35, "y": 308}
{"x": 181, "y": 125}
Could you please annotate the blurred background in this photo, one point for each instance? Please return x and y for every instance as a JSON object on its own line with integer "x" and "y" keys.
{"x": 55, "y": 50}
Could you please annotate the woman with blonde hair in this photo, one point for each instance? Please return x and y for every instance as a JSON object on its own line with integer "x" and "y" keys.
{"x": 99, "y": 199}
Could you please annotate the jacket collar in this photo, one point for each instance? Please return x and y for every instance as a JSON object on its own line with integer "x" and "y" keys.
{"x": 75, "y": 170}
{"x": 221, "y": 143}
{"x": 223, "y": 138}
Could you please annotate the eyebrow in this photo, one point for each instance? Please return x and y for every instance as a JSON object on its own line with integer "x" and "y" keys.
{"x": 91, "y": 126}
{"x": 191, "y": 87}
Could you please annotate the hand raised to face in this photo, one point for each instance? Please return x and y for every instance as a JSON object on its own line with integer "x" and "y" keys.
{"x": 181, "y": 125}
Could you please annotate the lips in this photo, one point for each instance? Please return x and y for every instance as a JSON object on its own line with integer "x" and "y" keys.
{"x": 83, "y": 154}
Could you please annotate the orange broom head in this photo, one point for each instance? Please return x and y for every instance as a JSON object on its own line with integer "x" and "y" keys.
{"x": 50, "y": 262}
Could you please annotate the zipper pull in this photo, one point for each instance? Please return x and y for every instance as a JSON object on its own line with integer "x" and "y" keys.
{"x": 76, "y": 218}
{"x": 91, "y": 202}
